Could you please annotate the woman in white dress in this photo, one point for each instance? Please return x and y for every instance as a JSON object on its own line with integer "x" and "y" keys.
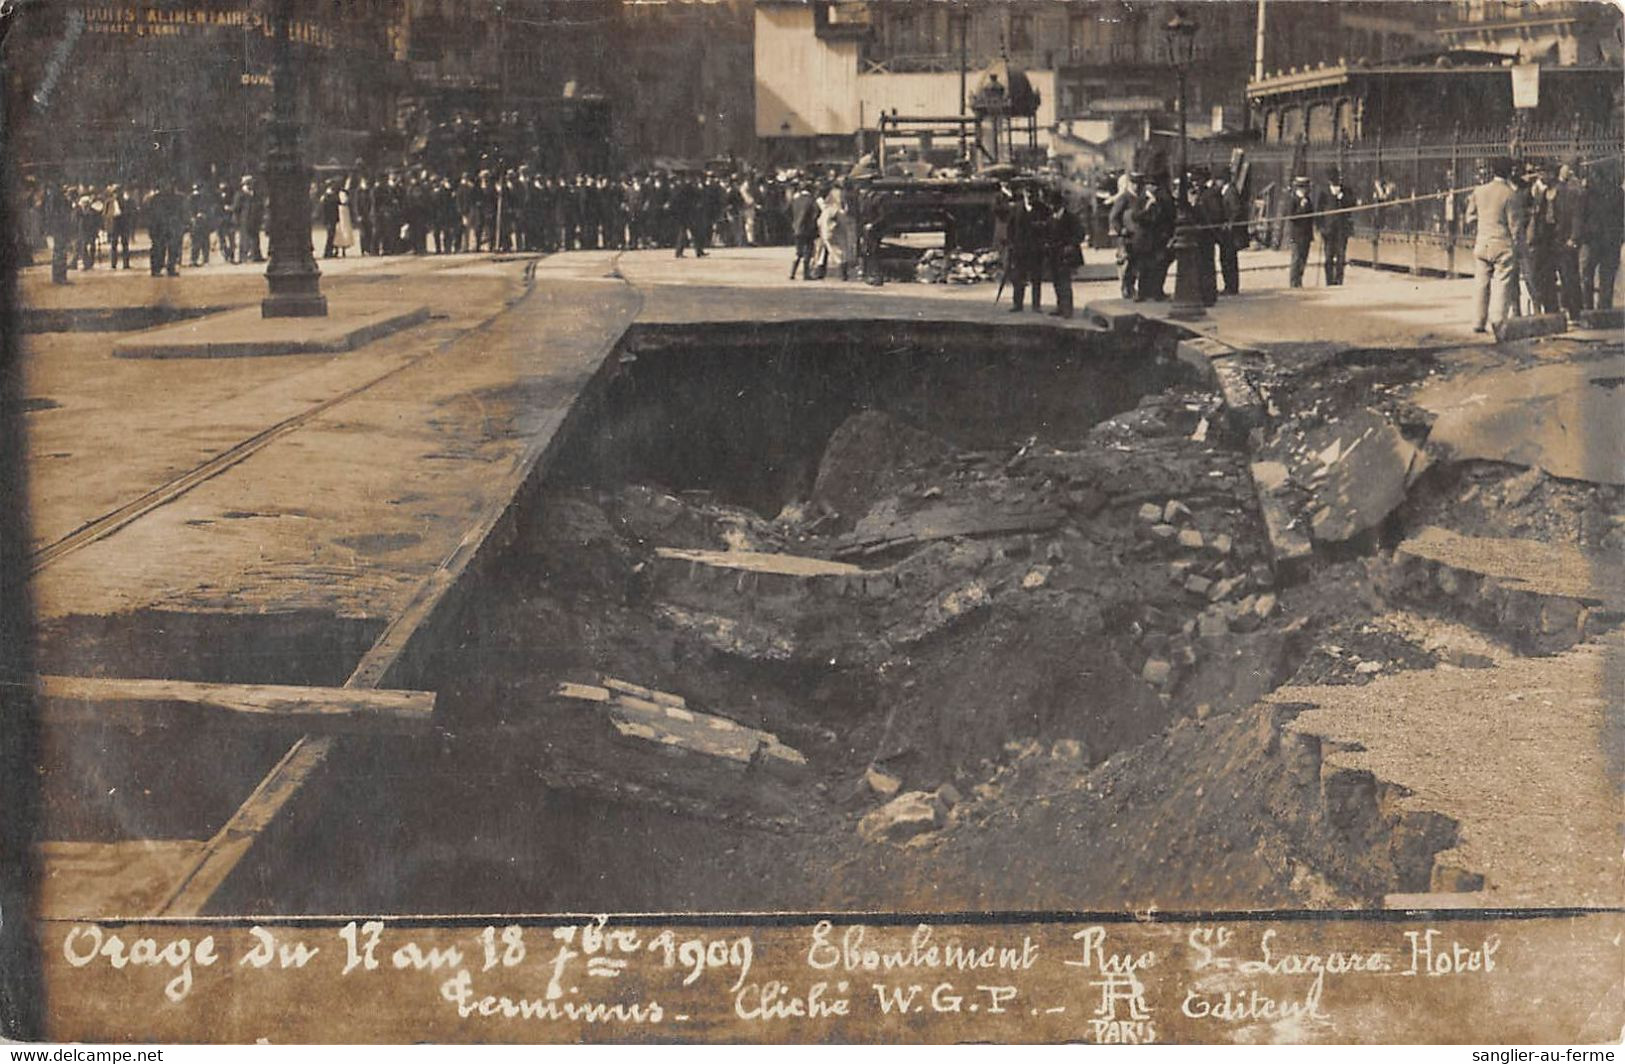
{"x": 344, "y": 234}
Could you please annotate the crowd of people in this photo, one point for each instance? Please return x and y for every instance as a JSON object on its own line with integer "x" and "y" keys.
{"x": 1547, "y": 236}
{"x": 414, "y": 210}
{"x": 1547, "y": 239}
{"x": 1143, "y": 217}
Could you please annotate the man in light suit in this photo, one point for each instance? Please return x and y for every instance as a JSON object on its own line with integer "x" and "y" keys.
{"x": 1492, "y": 207}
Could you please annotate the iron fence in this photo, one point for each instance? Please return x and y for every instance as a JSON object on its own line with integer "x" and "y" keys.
{"x": 1429, "y": 171}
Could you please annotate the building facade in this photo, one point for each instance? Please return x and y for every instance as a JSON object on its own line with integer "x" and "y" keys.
{"x": 1548, "y": 32}
{"x": 105, "y": 91}
{"x": 1102, "y": 66}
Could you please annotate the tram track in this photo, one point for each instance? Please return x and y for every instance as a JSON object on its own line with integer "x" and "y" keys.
{"x": 123, "y": 516}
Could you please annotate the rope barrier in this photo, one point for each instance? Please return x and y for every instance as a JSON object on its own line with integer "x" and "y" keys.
{"x": 1374, "y": 206}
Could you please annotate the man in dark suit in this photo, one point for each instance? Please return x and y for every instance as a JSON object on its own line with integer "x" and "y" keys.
{"x": 1300, "y": 227}
{"x": 1336, "y": 224}
{"x": 201, "y": 207}
{"x": 1028, "y": 232}
{"x": 1208, "y": 210}
{"x": 1602, "y": 228}
{"x": 1153, "y": 228}
{"x": 330, "y": 218}
{"x": 803, "y": 229}
{"x": 249, "y": 210}
{"x": 225, "y": 223}
{"x": 1233, "y": 237}
{"x": 166, "y": 228}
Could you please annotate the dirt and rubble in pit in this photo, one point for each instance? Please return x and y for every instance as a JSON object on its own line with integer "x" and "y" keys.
{"x": 1012, "y": 618}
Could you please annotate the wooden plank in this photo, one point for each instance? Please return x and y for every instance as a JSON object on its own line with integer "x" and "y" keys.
{"x": 70, "y": 700}
{"x": 760, "y": 562}
{"x": 946, "y": 522}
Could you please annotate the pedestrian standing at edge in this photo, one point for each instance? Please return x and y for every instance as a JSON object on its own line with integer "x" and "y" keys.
{"x": 1602, "y": 230}
{"x": 1233, "y": 236}
{"x": 1493, "y": 209}
{"x": 1568, "y": 198}
{"x": 1028, "y": 228}
{"x": 804, "y": 230}
{"x": 1300, "y": 213}
{"x": 1207, "y": 207}
{"x": 1120, "y": 226}
{"x": 1154, "y": 228}
{"x": 1063, "y": 250}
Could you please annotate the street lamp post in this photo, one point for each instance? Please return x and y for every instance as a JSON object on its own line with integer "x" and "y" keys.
{"x": 1187, "y": 305}
{"x": 292, "y": 275}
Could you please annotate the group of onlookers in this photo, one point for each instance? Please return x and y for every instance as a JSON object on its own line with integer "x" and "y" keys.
{"x": 1548, "y": 234}
{"x": 518, "y": 210}
{"x": 1144, "y": 216}
{"x": 85, "y": 225}
{"x": 413, "y": 210}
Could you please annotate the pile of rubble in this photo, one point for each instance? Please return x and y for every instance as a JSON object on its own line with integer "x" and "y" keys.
{"x": 937, "y": 266}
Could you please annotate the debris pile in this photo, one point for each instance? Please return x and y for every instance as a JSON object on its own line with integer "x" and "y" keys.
{"x": 938, "y": 266}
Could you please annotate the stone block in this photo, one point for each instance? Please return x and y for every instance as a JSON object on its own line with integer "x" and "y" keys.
{"x": 904, "y": 817}
{"x": 1157, "y": 672}
{"x": 1528, "y": 328}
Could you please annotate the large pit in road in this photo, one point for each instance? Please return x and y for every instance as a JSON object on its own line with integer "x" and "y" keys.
{"x": 997, "y": 585}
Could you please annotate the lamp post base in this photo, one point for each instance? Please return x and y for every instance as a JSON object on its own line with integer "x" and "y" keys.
{"x": 1187, "y": 302}
{"x": 294, "y": 306}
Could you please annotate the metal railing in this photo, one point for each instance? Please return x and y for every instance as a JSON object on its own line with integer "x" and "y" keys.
{"x": 1429, "y": 168}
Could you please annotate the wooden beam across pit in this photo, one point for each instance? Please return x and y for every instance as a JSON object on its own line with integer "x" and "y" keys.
{"x": 140, "y": 704}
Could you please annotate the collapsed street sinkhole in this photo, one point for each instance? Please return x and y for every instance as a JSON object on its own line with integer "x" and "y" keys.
{"x": 1019, "y": 573}
{"x": 971, "y": 578}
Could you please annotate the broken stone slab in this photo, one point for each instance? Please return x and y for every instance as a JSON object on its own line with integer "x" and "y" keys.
{"x": 1191, "y": 539}
{"x": 1220, "y": 544}
{"x": 1368, "y": 468}
{"x": 850, "y": 481}
{"x": 659, "y": 720}
{"x": 1199, "y": 353}
{"x": 1198, "y": 585}
{"x": 1563, "y": 417}
{"x": 1175, "y": 512}
{"x": 882, "y": 783}
{"x": 1244, "y": 409}
{"x": 1551, "y": 570}
{"x": 1036, "y": 578}
{"x": 904, "y": 817}
{"x": 1109, "y": 319}
{"x": 1150, "y": 513}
